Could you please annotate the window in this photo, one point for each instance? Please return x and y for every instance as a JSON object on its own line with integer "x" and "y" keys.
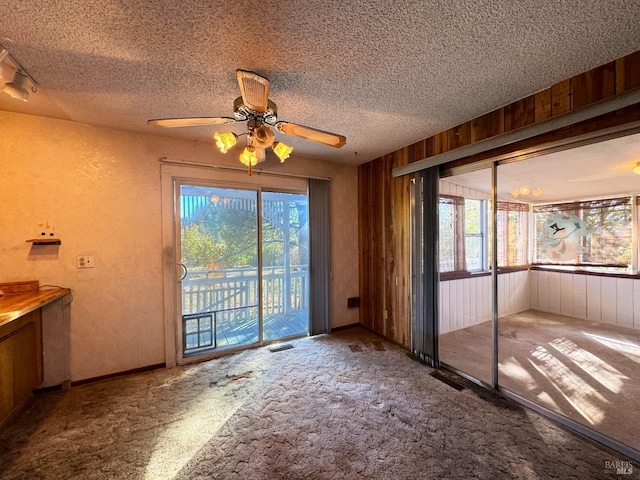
{"x": 464, "y": 239}
{"x": 462, "y": 230}
{"x": 513, "y": 232}
{"x": 588, "y": 233}
{"x": 474, "y": 238}
{"x": 451, "y": 228}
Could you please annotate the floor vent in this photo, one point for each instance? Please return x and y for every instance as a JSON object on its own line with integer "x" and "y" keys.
{"x": 280, "y": 348}
{"x": 448, "y": 381}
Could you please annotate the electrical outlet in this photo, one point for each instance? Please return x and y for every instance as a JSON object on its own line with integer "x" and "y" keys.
{"x": 84, "y": 261}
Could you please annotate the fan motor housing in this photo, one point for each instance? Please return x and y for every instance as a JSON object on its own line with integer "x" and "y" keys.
{"x": 241, "y": 112}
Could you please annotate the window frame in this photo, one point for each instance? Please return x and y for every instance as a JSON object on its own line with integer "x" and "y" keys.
{"x": 526, "y": 233}
{"x": 578, "y": 208}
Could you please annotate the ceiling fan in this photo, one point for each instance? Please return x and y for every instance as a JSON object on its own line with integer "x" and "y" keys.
{"x": 260, "y": 113}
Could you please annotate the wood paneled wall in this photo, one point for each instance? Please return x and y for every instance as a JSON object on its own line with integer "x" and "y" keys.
{"x": 602, "y": 299}
{"x": 384, "y": 224}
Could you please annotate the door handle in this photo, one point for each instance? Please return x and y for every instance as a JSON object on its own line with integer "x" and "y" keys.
{"x": 184, "y": 268}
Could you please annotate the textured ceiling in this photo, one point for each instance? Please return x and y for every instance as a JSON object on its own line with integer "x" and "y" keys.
{"x": 383, "y": 73}
{"x": 600, "y": 170}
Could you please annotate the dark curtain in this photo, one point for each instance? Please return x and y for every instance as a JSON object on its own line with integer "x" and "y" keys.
{"x": 319, "y": 256}
{"x": 426, "y": 269}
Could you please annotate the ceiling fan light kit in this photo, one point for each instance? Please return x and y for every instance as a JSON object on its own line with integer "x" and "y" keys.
{"x": 225, "y": 140}
{"x": 282, "y": 151}
{"x": 260, "y": 113}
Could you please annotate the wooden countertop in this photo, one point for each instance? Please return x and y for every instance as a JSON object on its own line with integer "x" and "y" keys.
{"x": 13, "y": 306}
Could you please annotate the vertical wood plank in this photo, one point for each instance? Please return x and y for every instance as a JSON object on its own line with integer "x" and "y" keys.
{"x": 497, "y": 122}
{"x": 628, "y": 72}
{"x": 388, "y": 245}
{"x": 480, "y": 128}
{"x": 520, "y": 113}
{"x": 454, "y": 300}
{"x": 503, "y": 308}
{"x": 543, "y": 291}
{"x": 417, "y": 151}
{"x": 543, "y": 105}
{"x": 429, "y": 147}
{"x": 561, "y": 98}
{"x": 592, "y": 86}
{"x": 594, "y": 309}
{"x": 624, "y": 304}
{"x": 377, "y": 247}
{"x": 608, "y": 302}
{"x": 399, "y": 234}
{"x": 479, "y": 301}
{"x": 580, "y": 296}
{"x": 473, "y": 299}
{"x": 487, "y": 302}
{"x": 554, "y": 292}
{"x": 636, "y": 304}
{"x": 445, "y": 322}
{"x": 526, "y": 288}
{"x": 441, "y": 142}
{"x": 566, "y": 294}
{"x": 466, "y": 302}
{"x": 364, "y": 216}
{"x": 533, "y": 289}
{"x": 459, "y": 136}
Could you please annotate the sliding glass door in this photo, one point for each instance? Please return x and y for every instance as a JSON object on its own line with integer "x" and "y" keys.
{"x": 285, "y": 264}
{"x": 538, "y": 297}
{"x": 244, "y": 264}
{"x": 465, "y": 320}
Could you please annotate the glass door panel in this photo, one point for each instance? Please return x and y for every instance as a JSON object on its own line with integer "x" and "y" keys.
{"x": 285, "y": 265}
{"x": 465, "y": 332}
{"x": 567, "y": 341}
{"x": 219, "y": 254}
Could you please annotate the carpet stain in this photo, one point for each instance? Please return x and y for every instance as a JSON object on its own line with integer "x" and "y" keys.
{"x": 232, "y": 378}
{"x": 377, "y": 345}
{"x": 355, "y": 348}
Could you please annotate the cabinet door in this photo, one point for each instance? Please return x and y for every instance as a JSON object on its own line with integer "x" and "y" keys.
{"x": 20, "y": 362}
{"x": 6, "y": 380}
{"x": 25, "y": 362}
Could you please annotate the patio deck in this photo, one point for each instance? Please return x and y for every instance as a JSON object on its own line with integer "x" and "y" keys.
{"x": 238, "y": 332}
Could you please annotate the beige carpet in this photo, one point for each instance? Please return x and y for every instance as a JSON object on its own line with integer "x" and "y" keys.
{"x": 340, "y": 406}
{"x": 588, "y": 371}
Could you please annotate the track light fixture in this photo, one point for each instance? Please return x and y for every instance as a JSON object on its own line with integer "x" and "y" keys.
{"x": 17, "y": 88}
{"x": 3, "y": 54}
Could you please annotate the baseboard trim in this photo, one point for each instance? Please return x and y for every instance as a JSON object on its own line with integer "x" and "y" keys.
{"x": 345, "y": 327}
{"x": 148, "y": 368}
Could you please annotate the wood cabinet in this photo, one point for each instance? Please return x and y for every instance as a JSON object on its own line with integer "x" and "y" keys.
{"x": 20, "y": 361}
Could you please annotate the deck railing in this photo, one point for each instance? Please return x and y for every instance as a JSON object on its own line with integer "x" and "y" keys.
{"x": 284, "y": 290}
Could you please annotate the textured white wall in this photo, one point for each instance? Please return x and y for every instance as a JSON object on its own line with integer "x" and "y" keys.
{"x": 100, "y": 189}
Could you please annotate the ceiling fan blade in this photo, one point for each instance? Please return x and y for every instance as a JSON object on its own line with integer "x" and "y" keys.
{"x": 254, "y": 89}
{"x": 190, "y": 122}
{"x": 260, "y": 155}
{"x": 313, "y": 134}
